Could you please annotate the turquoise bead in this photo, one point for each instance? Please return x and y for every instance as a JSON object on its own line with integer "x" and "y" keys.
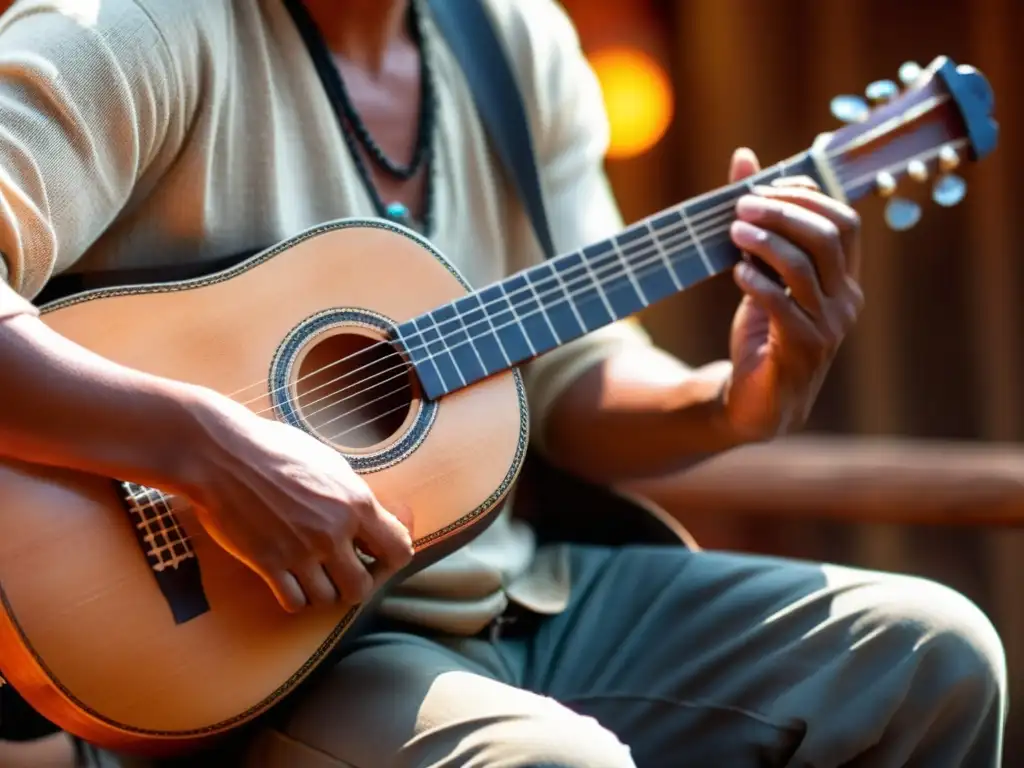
{"x": 397, "y": 211}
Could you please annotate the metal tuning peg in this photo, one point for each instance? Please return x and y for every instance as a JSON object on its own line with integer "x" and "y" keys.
{"x": 949, "y": 190}
{"x": 902, "y": 214}
{"x": 949, "y": 160}
{"x": 881, "y": 91}
{"x": 885, "y": 184}
{"x": 909, "y": 72}
{"x": 917, "y": 170}
{"x": 850, "y": 109}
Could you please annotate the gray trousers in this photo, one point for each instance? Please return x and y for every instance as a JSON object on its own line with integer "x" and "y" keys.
{"x": 669, "y": 658}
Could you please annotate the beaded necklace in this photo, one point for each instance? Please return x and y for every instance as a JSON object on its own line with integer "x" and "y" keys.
{"x": 355, "y": 132}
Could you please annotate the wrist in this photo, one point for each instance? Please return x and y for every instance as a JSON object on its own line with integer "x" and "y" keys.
{"x": 720, "y": 379}
{"x": 746, "y": 425}
{"x": 197, "y": 418}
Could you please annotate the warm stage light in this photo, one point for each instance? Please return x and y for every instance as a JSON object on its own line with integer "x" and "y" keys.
{"x": 638, "y": 98}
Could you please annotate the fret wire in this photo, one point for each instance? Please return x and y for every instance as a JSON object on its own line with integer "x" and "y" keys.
{"x": 682, "y": 252}
{"x": 676, "y": 239}
{"x": 516, "y": 318}
{"x": 400, "y": 333}
{"x": 561, "y": 308}
{"x": 597, "y": 284}
{"x": 443, "y": 338}
{"x": 713, "y": 231}
{"x": 426, "y": 346}
{"x": 568, "y": 297}
{"x": 579, "y": 283}
{"x": 696, "y": 241}
{"x": 651, "y": 238}
{"x": 469, "y": 338}
{"x": 547, "y": 271}
{"x": 616, "y": 248}
{"x": 662, "y": 255}
{"x": 543, "y": 308}
{"x": 592, "y": 280}
{"x": 494, "y": 331}
{"x": 709, "y": 216}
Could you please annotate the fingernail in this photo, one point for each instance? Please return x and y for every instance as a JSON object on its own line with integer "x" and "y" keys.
{"x": 744, "y": 153}
{"x": 747, "y": 234}
{"x": 764, "y": 189}
{"x": 751, "y": 207}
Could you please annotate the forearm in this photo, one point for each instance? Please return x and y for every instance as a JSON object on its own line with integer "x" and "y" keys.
{"x": 65, "y": 406}
{"x": 640, "y": 412}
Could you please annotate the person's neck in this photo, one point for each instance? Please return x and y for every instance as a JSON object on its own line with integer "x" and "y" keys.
{"x": 360, "y": 31}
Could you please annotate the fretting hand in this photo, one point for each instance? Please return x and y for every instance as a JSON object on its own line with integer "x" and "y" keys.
{"x": 784, "y": 337}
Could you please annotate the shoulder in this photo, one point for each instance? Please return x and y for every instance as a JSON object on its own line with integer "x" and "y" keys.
{"x": 540, "y": 39}
{"x": 533, "y": 26}
{"x": 138, "y": 33}
{"x": 558, "y": 84}
{"x": 154, "y": 51}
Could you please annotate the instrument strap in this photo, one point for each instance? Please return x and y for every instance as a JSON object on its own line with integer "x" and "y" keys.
{"x": 481, "y": 53}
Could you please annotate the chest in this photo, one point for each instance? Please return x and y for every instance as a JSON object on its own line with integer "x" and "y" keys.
{"x": 391, "y": 120}
{"x": 267, "y": 159}
{"x": 468, "y": 200}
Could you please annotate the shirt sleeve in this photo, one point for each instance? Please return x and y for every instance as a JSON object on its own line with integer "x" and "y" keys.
{"x": 571, "y": 133}
{"x": 90, "y": 107}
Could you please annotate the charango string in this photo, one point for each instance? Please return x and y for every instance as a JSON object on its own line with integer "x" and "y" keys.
{"x": 705, "y": 224}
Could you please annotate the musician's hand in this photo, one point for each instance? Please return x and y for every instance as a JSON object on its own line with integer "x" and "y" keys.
{"x": 291, "y": 508}
{"x": 785, "y": 337}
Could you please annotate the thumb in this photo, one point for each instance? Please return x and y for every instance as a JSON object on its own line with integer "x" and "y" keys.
{"x": 402, "y": 512}
{"x": 744, "y": 163}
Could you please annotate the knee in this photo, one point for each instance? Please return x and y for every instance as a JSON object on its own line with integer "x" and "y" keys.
{"x": 570, "y": 741}
{"x": 955, "y": 653}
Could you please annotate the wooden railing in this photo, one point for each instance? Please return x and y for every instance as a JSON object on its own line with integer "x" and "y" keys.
{"x": 856, "y": 480}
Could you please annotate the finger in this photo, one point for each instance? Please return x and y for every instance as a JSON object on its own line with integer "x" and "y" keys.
{"x": 286, "y": 589}
{"x": 793, "y": 266}
{"x": 808, "y": 231}
{"x": 318, "y": 586}
{"x": 795, "y": 181}
{"x": 744, "y": 163}
{"x": 386, "y": 538}
{"x": 846, "y": 219}
{"x": 401, "y": 512}
{"x": 349, "y": 574}
{"x": 772, "y": 298}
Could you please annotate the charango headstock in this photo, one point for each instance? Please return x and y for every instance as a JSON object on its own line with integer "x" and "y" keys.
{"x": 920, "y": 134}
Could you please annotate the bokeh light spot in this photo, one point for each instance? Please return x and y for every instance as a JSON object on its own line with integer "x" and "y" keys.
{"x": 638, "y": 99}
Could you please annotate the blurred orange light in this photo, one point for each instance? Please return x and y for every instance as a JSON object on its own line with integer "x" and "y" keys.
{"x": 637, "y": 97}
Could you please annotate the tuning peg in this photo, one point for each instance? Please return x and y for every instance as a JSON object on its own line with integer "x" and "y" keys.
{"x": 902, "y": 214}
{"x": 909, "y": 72}
{"x": 948, "y": 159}
{"x": 881, "y": 91}
{"x": 885, "y": 184}
{"x": 917, "y": 170}
{"x": 949, "y": 190}
{"x": 850, "y": 109}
